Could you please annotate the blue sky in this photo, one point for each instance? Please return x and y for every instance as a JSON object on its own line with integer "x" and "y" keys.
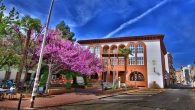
{"x": 112, "y": 18}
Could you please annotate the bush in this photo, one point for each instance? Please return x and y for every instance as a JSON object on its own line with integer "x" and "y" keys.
{"x": 155, "y": 85}
{"x": 79, "y": 86}
{"x": 85, "y": 79}
{"x": 68, "y": 85}
{"x": 114, "y": 86}
{"x": 44, "y": 75}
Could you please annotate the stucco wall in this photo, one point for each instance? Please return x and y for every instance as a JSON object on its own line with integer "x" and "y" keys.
{"x": 153, "y": 49}
{"x": 154, "y": 61}
{"x": 166, "y": 63}
{"x": 2, "y": 75}
{"x": 12, "y": 75}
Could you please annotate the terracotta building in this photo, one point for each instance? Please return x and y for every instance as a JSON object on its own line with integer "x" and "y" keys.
{"x": 141, "y": 68}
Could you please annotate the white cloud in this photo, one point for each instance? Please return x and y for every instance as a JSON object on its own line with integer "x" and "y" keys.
{"x": 131, "y": 21}
{"x": 85, "y": 10}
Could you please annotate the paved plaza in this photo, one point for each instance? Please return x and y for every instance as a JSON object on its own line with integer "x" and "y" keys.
{"x": 172, "y": 99}
{"x": 140, "y": 99}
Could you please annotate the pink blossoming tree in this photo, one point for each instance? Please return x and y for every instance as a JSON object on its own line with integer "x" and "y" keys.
{"x": 60, "y": 54}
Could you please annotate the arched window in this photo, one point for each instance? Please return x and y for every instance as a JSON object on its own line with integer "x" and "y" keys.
{"x": 136, "y": 76}
{"x": 140, "y": 48}
{"x": 140, "y": 54}
{"x": 132, "y": 56}
{"x": 97, "y": 51}
{"x": 121, "y": 59}
{"x": 91, "y": 49}
{"x": 132, "y": 48}
{"x": 106, "y": 49}
{"x": 114, "y": 49}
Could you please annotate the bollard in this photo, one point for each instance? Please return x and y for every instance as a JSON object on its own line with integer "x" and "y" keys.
{"x": 119, "y": 82}
{"x": 19, "y": 102}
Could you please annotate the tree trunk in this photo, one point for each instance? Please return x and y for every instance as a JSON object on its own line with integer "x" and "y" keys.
{"x": 125, "y": 67}
{"x": 48, "y": 79}
{"x": 23, "y": 58}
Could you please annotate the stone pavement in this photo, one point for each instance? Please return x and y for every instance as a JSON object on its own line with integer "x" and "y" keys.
{"x": 49, "y": 101}
{"x": 170, "y": 99}
{"x": 67, "y": 98}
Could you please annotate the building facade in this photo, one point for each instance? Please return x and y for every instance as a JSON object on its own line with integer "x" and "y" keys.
{"x": 13, "y": 74}
{"x": 170, "y": 76}
{"x": 144, "y": 66}
{"x": 186, "y": 75}
{"x": 179, "y": 77}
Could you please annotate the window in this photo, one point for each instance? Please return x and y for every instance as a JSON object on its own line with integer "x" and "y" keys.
{"x": 114, "y": 50}
{"x": 105, "y": 61}
{"x": 140, "y": 60}
{"x": 140, "y": 49}
{"x": 28, "y": 76}
{"x": 136, "y": 76}
{"x": 121, "y": 60}
{"x": 131, "y": 60}
{"x": 105, "y": 49}
{"x": 113, "y": 61}
{"x": 132, "y": 48}
{"x": 91, "y": 49}
{"x": 97, "y": 51}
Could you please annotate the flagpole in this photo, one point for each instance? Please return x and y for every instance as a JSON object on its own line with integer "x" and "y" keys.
{"x": 36, "y": 82}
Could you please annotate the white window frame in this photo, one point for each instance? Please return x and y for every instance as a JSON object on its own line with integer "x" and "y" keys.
{"x": 140, "y": 48}
{"x": 140, "y": 60}
{"x": 97, "y": 51}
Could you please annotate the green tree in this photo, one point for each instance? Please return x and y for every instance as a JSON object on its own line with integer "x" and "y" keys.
{"x": 7, "y": 31}
{"x": 70, "y": 75}
{"x": 28, "y": 24}
{"x": 65, "y": 29}
{"x": 6, "y": 21}
{"x": 44, "y": 74}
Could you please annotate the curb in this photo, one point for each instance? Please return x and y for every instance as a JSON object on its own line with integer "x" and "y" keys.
{"x": 37, "y": 108}
{"x": 112, "y": 95}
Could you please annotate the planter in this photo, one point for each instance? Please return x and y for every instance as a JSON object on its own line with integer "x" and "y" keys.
{"x": 59, "y": 91}
{"x": 78, "y": 86}
{"x": 26, "y": 95}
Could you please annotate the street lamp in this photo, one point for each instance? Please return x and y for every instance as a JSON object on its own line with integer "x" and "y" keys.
{"x": 36, "y": 82}
{"x": 102, "y": 82}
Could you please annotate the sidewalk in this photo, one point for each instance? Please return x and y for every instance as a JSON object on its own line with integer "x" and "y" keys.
{"x": 56, "y": 100}
{"x": 49, "y": 101}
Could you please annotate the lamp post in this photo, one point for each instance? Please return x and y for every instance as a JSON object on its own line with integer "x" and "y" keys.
{"x": 36, "y": 82}
{"x": 193, "y": 78}
{"x": 102, "y": 82}
{"x": 113, "y": 67}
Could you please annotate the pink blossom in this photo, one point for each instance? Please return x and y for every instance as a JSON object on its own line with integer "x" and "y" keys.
{"x": 70, "y": 55}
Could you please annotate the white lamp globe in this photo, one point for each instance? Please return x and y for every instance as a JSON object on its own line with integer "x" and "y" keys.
{"x": 189, "y": 66}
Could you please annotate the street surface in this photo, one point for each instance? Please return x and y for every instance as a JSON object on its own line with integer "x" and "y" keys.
{"x": 171, "y": 99}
